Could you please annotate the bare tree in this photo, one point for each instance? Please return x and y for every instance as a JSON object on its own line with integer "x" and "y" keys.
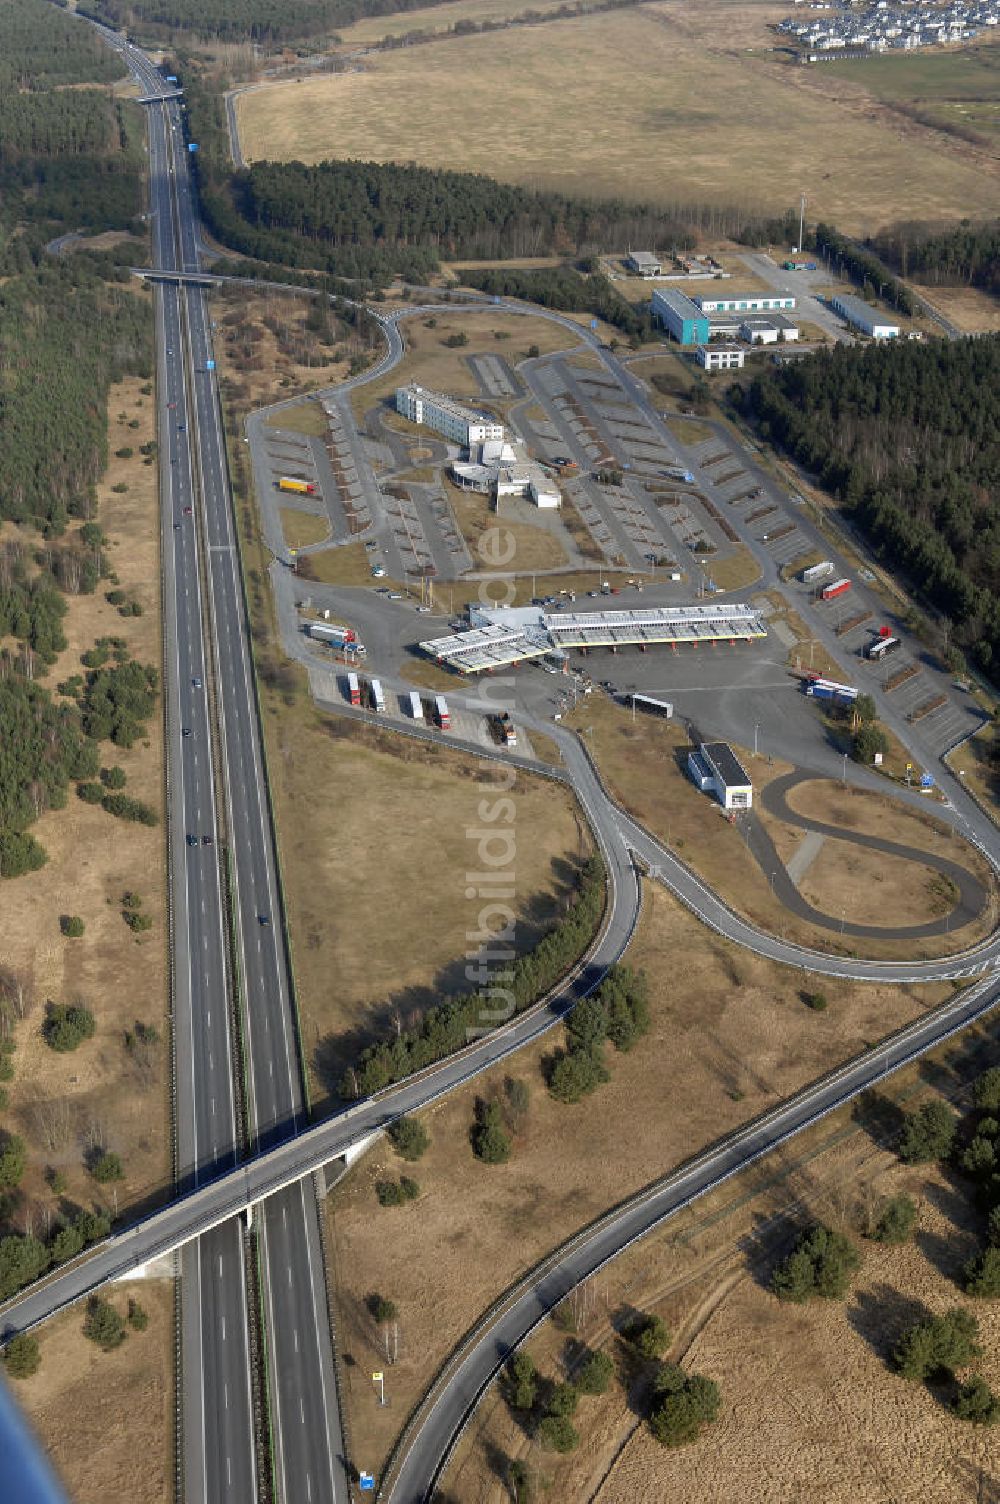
{"x": 51, "y": 1121}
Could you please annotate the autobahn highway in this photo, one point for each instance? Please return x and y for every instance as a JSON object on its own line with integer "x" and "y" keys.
{"x": 212, "y": 669}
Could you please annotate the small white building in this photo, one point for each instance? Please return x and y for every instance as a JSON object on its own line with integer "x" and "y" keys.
{"x": 643, "y": 264}
{"x": 716, "y": 769}
{"x": 505, "y": 469}
{"x": 464, "y": 425}
{"x": 721, "y": 357}
{"x": 861, "y": 315}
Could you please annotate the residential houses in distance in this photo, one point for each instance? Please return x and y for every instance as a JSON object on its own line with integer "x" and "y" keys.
{"x": 831, "y": 32}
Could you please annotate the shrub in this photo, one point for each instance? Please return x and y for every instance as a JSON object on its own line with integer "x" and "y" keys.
{"x": 558, "y": 1434}
{"x": 125, "y": 453}
{"x": 116, "y": 597}
{"x": 380, "y": 1308}
{"x": 124, "y": 808}
{"x": 976, "y": 1401}
{"x": 395, "y": 1192}
{"x": 103, "y": 1324}
{"x": 986, "y": 1090}
{"x": 138, "y": 1320}
{"x": 685, "y": 1403}
{"x": 490, "y": 1140}
{"x": 982, "y": 1274}
{"x": 563, "y": 1400}
{"x": 107, "y": 1168}
{"x": 815, "y": 1000}
{"x": 821, "y": 1263}
{"x": 518, "y": 1100}
{"x": 576, "y": 1073}
{"x": 137, "y": 923}
{"x": 113, "y": 778}
{"x": 938, "y": 1345}
{"x": 896, "y": 1221}
{"x": 13, "y": 1158}
{"x": 90, "y": 793}
{"x": 409, "y": 1138}
{"x": 67, "y": 1026}
{"x": 979, "y": 1158}
{"x": 595, "y": 1373}
{"x": 522, "y": 1382}
{"x": 21, "y": 1356}
{"x": 927, "y": 1134}
{"x": 131, "y": 900}
{"x": 71, "y": 925}
{"x": 650, "y": 1335}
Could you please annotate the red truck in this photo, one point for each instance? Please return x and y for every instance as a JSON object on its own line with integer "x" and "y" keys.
{"x": 838, "y": 587}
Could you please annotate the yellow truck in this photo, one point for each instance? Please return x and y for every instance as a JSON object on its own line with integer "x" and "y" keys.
{"x": 300, "y": 487}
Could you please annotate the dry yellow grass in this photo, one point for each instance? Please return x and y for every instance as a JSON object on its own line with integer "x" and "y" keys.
{"x": 429, "y": 360}
{"x": 62, "y": 1103}
{"x": 257, "y": 365}
{"x": 106, "y": 1419}
{"x": 784, "y": 1371}
{"x": 345, "y": 564}
{"x": 735, "y": 570}
{"x": 972, "y": 311}
{"x": 302, "y": 529}
{"x": 670, "y": 101}
{"x": 729, "y": 1037}
{"x": 529, "y": 545}
{"x": 376, "y": 882}
{"x": 972, "y": 761}
{"x": 304, "y": 417}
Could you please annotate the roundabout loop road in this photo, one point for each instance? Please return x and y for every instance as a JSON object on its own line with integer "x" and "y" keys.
{"x": 972, "y": 895}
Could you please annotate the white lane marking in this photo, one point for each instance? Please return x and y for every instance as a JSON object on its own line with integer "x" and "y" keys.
{"x": 223, "y": 1328}
{"x": 295, "y": 1335}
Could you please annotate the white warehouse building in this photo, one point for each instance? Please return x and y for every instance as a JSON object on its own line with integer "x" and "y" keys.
{"x": 464, "y": 425}
{"x": 716, "y": 769}
{"x": 861, "y": 315}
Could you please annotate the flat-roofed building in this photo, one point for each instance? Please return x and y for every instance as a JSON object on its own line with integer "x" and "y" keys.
{"x": 861, "y": 315}
{"x": 680, "y": 317}
{"x": 716, "y": 768}
{"x": 768, "y": 329}
{"x": 464, "y": 425}
{"x": 745, "y": 302}
{"x": 643, "y": 264}
{"x": 721, "y": 357}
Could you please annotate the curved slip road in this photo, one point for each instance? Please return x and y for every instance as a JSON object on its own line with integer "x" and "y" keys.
{"x": 972, "y": 896}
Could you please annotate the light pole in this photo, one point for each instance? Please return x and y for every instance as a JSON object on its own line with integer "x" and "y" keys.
{"x": 756, "y": 728}
{"x": 844, "y": 775}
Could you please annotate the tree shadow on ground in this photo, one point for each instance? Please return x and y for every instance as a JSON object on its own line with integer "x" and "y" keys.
{"x": 881, "y": 1315}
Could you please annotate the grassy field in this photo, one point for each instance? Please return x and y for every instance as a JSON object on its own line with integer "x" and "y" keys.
{"x": 970, "y": 310}
{"x": 735, "y": 570}
{"x": 973, "y": 763}
{"x": 437, "y": 18}
{"x": 531, "y": 545}
{"x": 61, "y": 1103}
{"x": 430, "y": 360}
{"x": 956, "y": 90}
{"x": 345, "y": 564}
{"x": 645, "y": 763}
{"x": 676, "y": 104}
{"x": 730, "y": 1036}
{"x": 376, "y": 883}
{"x": 783, "y": 1370}
{"x": 302, "y": 529}
{"x": 106, "y": 1419}
{"x": 304, "y": 417}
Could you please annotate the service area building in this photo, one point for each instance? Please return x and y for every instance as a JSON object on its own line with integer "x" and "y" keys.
{"x": 861, "y": 315}
{"x": 464, "y": 425}
{"x": 746, "y": 302}
{"x": 721, "y": 357}
{"x": 716, "y": 769}
{"x": 643, "y": 264}
{"x": 680, "y": 317}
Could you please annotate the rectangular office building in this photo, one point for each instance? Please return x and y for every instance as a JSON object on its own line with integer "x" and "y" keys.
{"x": 716, "y": 769}
{"x": 721, "y": 357}
{"x": 746, "y": 302}
{"x": 451, "y": 419}
{"x": 680, "y": 317}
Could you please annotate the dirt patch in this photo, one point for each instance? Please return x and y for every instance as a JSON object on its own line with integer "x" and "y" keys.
{"x": 377, "y": 941}
{"x": 100, "y": 1096}
{"x": 266, "y": 350}
{"x": 106, "y": 1419}
{"x": 730, "y": 1036}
